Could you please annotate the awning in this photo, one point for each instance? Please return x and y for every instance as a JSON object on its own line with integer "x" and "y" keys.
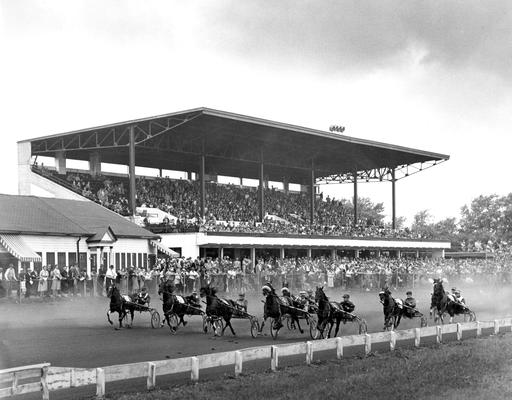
{"x": 169, "y": 252}
{"x": 15, "y": 245}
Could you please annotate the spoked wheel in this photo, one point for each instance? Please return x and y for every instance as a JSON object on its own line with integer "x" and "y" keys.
{"x": 313, "y": 327}
{"x": 363, "y": 328}
{"x": 274, "y": 327}
{"x": 255, "y": 327}
{"x": 289, "y": 324}
{"x": 155, "y": 319}
{"x": 423, "y": 322}
{"x": 173, "y": 322}
{"x": 205, "y": 324}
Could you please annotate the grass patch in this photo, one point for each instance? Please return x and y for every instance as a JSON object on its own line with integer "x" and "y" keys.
{"x": 472, "y": 369}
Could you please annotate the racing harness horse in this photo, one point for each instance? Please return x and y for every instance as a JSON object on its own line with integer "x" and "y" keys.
{"x": 441, "y": 303}
{"x": 328, "y": 313}
{"x": 275, "y": 309}
{"x": 392, "y": 312}
{"x": 218, "y": 307}
{"x": 119, "y": 304}
{"x": 172, "y": 305}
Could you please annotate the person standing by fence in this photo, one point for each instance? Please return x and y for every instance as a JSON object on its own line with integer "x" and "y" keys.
{"x": 10, "y": 277}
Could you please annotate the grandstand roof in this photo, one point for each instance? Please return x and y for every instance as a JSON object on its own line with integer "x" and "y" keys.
{"x": 234, "y": 146}
{"x": 49, "y": 216}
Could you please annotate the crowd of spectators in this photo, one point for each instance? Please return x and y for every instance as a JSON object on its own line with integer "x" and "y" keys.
{"x": 240, "y": 275}
{"x": 230, "y": 208}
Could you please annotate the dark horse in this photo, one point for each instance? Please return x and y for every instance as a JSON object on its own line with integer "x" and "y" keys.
{"x": 328, "y": 312}
{"x": 439, "y": 300}
{"x": 218, "y": 307}
{"x": 172, "y": 304}
{"x": 120, "y": 305}
{"x": 441, "y": 303}
{"x": 276, "y": 308}
{"x": 392, "y": 312}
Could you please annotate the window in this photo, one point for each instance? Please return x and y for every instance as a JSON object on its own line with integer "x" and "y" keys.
{"x": 134, "y": 260}
{"x": 38, "y": 265}
{"x": 139, "y": 263}
{"x": 50, "y": 259}
{"x": 82, "y": 260}
{"x": 118, "y": 264}
{"x": 61, "y": 259}
{"x": 72, "y": 258}
{"x": 145, "y": 260}
{"x": 123, "y": 261}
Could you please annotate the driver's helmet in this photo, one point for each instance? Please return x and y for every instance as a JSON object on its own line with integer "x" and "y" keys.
{"x": 266, "y": 289}
{"x": 302, "y": 293}
{"x": 144, "y": 289}
{"x": 285, "y": 290}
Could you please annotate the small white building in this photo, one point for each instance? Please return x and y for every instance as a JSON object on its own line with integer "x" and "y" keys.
{"x": 36, "y": 231}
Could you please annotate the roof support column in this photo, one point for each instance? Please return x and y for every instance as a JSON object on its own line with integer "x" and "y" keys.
{"x": 393, "y": 200}
{"x": 60, "y": 162}
{"x": 261, "y": 194}
{"x": 355, "y": 198}
{"x": 312, "y": 196}
{"x": 202, "y": 188}
{"x": 131, "y": 170}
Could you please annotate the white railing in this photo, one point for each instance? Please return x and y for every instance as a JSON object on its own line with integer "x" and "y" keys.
{"x": 57, "y": 378}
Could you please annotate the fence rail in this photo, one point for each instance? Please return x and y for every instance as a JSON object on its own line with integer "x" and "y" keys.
{"x": 57, "y": 378}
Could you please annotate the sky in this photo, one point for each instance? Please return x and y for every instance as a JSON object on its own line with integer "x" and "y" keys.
{"x": 432, "y": 75}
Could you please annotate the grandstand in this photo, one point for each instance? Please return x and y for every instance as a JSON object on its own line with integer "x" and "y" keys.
{"x": 232, "y": 219}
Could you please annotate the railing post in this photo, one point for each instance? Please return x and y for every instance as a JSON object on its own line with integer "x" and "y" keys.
{"x": 44, "y": 383}
{"x": 194, "y": 369}
{"x": 439, "y": 334}
{"x": 151, "y": 376}
{"x": 496, "y": 326}
{"x": 238, "y": 362}
{"x": 274, "y": 358}
{"x": 392, "y": 341}
{"x": 14, "y": 385}
{"x": 478, "y": 329}
{"x": 459, "y": 331}
{"x": 417, "y": 337}
{"x": 339, "y": 348}
{"x": 367, "y": 344}
{"x": 100, "y": 383}
{"x": 309, "y": 353}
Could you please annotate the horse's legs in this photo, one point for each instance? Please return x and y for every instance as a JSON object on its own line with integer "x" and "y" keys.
{"x": 262, "y": 324}
{"x": 108, "y": 318}
{"x": 228, "y": 323}
{"x": 296, "y": 319}
{"x": 182, "y": 320}
{"x": 330, "y": 327}
{"x": 338, "y": 321}
{"x": 397, "y": 320}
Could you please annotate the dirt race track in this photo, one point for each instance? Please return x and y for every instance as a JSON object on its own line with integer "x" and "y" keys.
{"x": 76, "y": 333}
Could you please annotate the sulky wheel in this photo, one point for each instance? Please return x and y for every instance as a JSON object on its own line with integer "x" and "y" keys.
{"x": 363, "y": 328}
{"x": 255, "y": 327}
{"x": 274, "y": 327}
{"x": 313, "y": 327}
{"x": 205, "y": 324}
{"x": 155, "y": 319}
{"x": 423, "y": 322}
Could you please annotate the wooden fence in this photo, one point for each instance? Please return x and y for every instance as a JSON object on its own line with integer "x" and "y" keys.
{"x": 57, "y": 378}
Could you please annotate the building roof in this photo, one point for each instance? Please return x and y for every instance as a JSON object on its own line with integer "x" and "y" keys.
{"x": 233, "y": 144}
{"x": 50, "y": 216}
